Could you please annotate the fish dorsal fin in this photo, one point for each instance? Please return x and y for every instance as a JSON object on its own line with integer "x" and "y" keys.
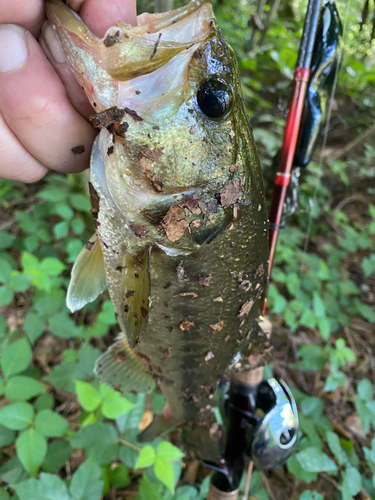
{"x": 120, "y": 367}
{"x": 88, "y": 276}
{"x": 136, "y": 291}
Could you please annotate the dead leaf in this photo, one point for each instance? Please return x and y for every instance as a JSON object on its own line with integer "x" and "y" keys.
{"x": 245, "y": 309}
{"x": 186, "y": 325}
{"x": 175, "y": 223}
{"x": 217, "y": 327}
{"x": 204, "y": 280}
{"x": 187, "y": 294}
{"x": 230, "y": 193}
{"x": 139, "y": 230}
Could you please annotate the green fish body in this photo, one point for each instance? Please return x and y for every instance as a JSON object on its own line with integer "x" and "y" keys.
{"x": 177, "y": 195}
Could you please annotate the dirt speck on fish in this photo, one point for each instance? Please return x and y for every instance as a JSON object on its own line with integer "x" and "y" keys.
{"x": 177, "y": 196}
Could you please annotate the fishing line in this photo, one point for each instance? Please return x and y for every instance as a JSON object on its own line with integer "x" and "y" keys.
{"x": 327, "y": 125}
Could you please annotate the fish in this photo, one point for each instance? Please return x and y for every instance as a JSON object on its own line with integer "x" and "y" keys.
{"x": 178, "y": 202}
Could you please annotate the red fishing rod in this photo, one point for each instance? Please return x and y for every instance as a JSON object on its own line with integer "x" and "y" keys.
{"x": 282, "y": 178}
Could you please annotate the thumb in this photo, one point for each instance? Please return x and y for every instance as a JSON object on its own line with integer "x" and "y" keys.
{"x": 99, "y": 15}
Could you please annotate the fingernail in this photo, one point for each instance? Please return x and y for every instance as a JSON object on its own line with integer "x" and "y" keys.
{"x": 13, "y": 50}
{"x": 52, "y": 43}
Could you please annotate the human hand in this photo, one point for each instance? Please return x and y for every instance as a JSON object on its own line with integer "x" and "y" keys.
{"x": 43, "y": 110}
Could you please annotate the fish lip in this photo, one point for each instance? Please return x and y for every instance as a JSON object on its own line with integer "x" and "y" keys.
{"x": 57, "y": 9}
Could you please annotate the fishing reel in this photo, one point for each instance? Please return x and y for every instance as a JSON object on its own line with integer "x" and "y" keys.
{"x": 262, "y": 420}
{"x": 276, "y": 432}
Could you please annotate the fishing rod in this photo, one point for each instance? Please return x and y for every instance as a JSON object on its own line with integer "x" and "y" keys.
{"x": 293, "y": 123}
{"x": 253, "y": 409}
{"x": 315, "y": 75}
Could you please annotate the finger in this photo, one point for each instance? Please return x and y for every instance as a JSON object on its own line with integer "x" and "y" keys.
{"x": 30, "y": 17}
{"x": 36, "y": 107}
{"x": 100, "y": 15}
{"x": 16, "y": 163}
{"x": 54, "y": 53}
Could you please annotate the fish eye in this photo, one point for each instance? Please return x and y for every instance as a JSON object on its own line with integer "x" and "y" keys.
{"x": 214, "y": 98}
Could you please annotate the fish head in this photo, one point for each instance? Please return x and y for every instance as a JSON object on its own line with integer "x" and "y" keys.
{"x": 174, "y": 130}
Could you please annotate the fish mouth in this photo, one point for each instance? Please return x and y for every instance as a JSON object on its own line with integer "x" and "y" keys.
{"x": 126, "y": 51}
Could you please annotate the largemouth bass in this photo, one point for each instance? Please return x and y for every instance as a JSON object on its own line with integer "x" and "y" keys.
{"x": 177, "y": 196}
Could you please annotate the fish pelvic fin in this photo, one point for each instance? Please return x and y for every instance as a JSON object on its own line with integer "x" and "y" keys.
{"x": 88, "y": 276}
{"x": 136, "y": 292}
{"x": 121, "y": 368}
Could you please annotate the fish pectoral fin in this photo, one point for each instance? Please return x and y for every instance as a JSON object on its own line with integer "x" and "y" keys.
{"x": 88, "y": 276}
{"x": 136, "y": 291}
{"x": 160, "y": 425}
{"x": 121, "y": 368}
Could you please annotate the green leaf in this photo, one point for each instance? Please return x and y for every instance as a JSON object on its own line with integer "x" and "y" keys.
{"x": 354, "y": 480}
{"x": 63, "y": 326}
{"x": 6, "y": 240}
{"x": 19, "y": 282}
{"x": 334, "y": 381}
{"x": 335, "y": 447}
{"x": 365, "y": 390}
{"x": 44, "y": 402}
{"x": 86, "y": 484}
{"x": 20, "y": 388}
{"x": 48, "y": 487}
{"x": 80, "y": 202}
{"x": 318, "y": 305}
{"x": 61, "y": 229}
{"x": 313, "y": 358}
{"x": 165, "y": 473}
{"x": 88, "y": 397}
{"x": 58, "y": 452}
{"x": 113, "y": 403}
{"x": 31, "y": 449}
{"x": 308, "y": 319}
{"x": 168, "y": 451}
{"x": 87, "y": 358}
{"x": 99, "y": 440}
{"x": 62, "y": 376}
{"x": 120, "y": 476}
{"x": 52, "y": 266}
{"x": 131, "y": 419}
{"x": 149, "y": 490}
{"x": 312, "y": 407}
{"x": 6, "y": 296}
{"x": 366, "y": 415}
{"x": 146, "y": 457}
{"x": 324, "y": 326}
{"x": 311, "y": 495}
{"x": 29, "y": 262}
{"x": 16, "y": 357}
{"x": 13, "y": 472}
{"x": 279, "y": 304}
{"x": 64, "y": 211}
{"x": 54, "y": 195}
{"x": 50, "y": 423}
{"x": 4, "y": 495}
{"x": 313, "y": 460}
{"x": 7, "y": 436}
{"x": 3, "y": 325}
{"x": 34, "y": 326}
{"x": 346, "y": 494}
{"x": 17, "y": 416}
{"x": 5, "y": 270}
